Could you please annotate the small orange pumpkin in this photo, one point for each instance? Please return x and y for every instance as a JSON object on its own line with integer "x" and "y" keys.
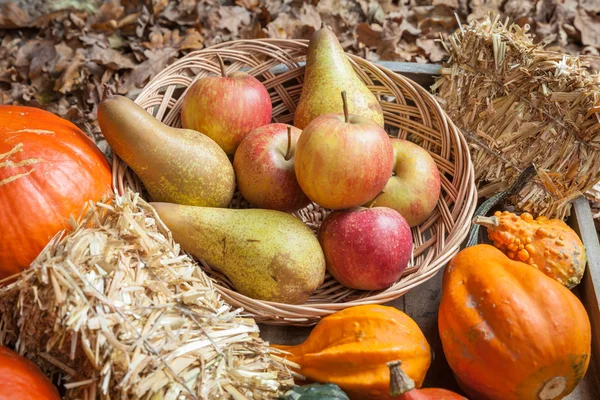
{"x": 48, "y": 170}
{"x": 549, "y": 245}
{"x": 21, "y": 379}
{"x": 350, "y": 348}
{"x": 500, "y": 318}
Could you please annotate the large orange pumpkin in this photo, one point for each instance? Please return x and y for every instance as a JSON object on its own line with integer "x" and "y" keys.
{"x": 350, "y": 348}
{"x": 48, "y": 170}
{"x": 508, "y": 331}
{"x": 21, "y": 379}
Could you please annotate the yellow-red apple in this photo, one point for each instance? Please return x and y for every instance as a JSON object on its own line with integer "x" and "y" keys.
{"x": 264, "y": 168}
{"x": 343, "y": 160}
{"x": 226, "y": 108}
{"x": 366, "y": 248}
{"x": 414, "y": 189}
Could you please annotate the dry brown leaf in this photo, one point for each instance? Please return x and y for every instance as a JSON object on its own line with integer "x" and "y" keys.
{"x": 109, "y": 10}
{"x": 433, "y": 49}
{"x": 250, "y": 5}
{"x": 589, "y": 26}
{"x": 110, "y": 58}
{"x": 193, "y": 40}
{"x": 518, "y": 8}
{"x": 447, "y": 3}
{"x": 156, "y": 61}
{"x": 309, "y": 17}
{"x": 480, "y": 8}
{"x": 435, "y": 18}
{"x": 12, "y": 16}
{"x": 233, "y": 17}
{"x": 71, "y": 75}
{"x": 367, "y": 35}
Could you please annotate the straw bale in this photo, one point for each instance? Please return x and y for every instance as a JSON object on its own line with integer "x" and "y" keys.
{"x": 519, "y": 104}
{"x": 119, "y": 311}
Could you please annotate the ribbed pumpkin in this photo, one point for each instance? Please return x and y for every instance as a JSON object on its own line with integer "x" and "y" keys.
{"x": 48, "y": 170}
{"x": 403, "y": 388}
{"x": 549, "y": 245}
{"x": 350, "y": 348}
{"x": 21, "y": 379}
{"x": 508, "y": 331}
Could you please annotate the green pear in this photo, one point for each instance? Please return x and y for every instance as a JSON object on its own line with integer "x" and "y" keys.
{"x": 328, "y": 73}
{"x": 176, "y": 165}
{"x": 268, "y": 255}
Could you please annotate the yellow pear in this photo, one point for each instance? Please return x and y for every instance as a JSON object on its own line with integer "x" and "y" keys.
{"x": 176, "y": 165}
{"x": 328, "y": 73}
{"x": 267, "y": 255}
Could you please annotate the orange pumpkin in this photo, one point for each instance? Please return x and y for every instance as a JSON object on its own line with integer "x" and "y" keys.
{"x": 350, "y": 348}
{"x": 549, "y": 245}
{"x": 21, "y": 379}
{"x": 403, "y": 388}
{"x": 508, "y": 331}
{"x": 48, "y": 170}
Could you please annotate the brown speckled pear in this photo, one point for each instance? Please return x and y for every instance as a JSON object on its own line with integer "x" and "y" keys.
{"x": 176, "y": 165}
{"x": 328, "y": 72}
{"x": 268, "y": 255}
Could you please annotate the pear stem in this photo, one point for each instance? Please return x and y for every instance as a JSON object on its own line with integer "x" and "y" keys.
{"x": 222, "y": 65}
{"x": 345, "y": 102}
{"x": 399, "y": 382}
{"x": 288, "y": 153}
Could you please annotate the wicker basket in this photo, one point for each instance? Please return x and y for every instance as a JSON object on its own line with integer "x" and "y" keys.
{"x": 410, "y": 112}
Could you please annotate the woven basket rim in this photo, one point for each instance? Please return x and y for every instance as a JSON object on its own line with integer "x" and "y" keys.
{"x": 452, "y": 142}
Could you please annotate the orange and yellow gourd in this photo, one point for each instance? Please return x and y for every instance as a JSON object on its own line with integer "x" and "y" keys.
{"x": 549, "y": 245}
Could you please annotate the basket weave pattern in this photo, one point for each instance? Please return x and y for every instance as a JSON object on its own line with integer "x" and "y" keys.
{"x": 410, "y": 113}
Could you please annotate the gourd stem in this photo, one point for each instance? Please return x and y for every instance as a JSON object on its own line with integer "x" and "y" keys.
{"x": 399, "y": 381}
{"x": 288, "y": 153}
{"x": 222, "y": 65}
{"x": 488, "y": 222}
{"x": 487, "y": 205}
{"x": 345, "y": 102}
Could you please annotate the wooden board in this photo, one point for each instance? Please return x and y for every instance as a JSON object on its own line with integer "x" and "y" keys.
{"x": 422, "y": 302}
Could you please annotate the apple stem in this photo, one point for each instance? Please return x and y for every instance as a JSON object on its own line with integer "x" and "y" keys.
{"x": 322, "y": 24}
{"x": 222, "y": 65}
{"x": 345, "y": 102}
{"x": 288, "y": 153}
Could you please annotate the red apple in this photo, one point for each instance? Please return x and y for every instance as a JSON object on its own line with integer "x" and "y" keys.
{"x": 264, "y": 168}
{"x": 226, "y": 108}
{"x": 366, "y": 248}
{"x": 414, "y": 189}
{"x": 343, "y": 160}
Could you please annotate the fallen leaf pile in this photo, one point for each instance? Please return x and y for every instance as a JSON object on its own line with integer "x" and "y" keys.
{"x": 57, "y": 55}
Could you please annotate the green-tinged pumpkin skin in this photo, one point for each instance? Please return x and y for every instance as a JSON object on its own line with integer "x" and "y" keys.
{"x": 316, "y": 391}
